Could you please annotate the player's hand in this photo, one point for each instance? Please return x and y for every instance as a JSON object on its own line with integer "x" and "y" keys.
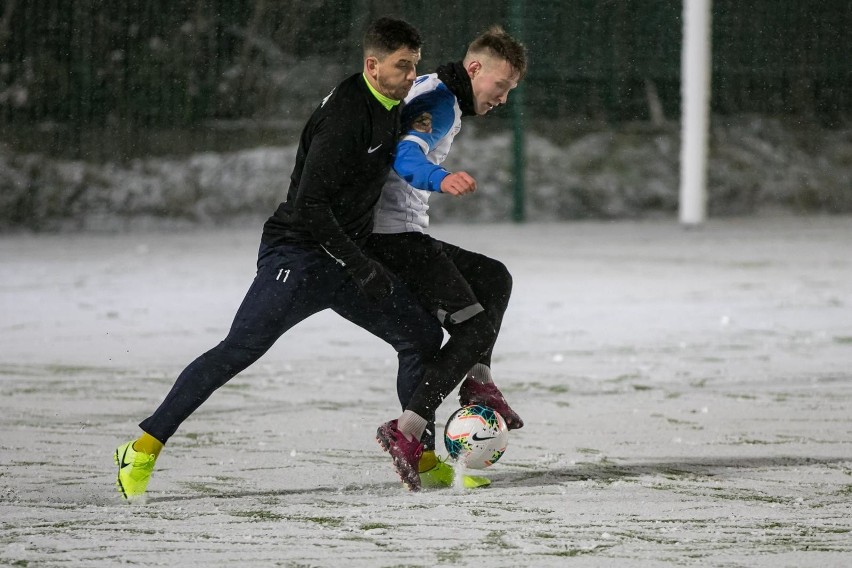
{"x": 458, "y": 183}
{"x": 373, "y": 279}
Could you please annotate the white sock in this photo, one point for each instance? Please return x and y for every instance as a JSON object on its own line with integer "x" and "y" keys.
{"x": 412, "y": 425}
{"x": 480, "y": 373}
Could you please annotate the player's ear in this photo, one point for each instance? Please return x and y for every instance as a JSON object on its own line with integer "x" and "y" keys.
{"x": 371, "y": 64}
{"x": 473, "y": 68}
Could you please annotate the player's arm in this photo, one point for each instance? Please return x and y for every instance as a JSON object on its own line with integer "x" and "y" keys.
{"x": 430, "y": 116}
{"x": 413, "y": 166}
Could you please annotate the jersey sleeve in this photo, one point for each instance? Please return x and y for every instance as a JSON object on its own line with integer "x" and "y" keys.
{"x": 427, "y": 119}
{"x": 414, "y": 167}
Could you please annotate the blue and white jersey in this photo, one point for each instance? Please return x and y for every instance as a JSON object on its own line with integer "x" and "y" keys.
{"x": 431, "y": 119}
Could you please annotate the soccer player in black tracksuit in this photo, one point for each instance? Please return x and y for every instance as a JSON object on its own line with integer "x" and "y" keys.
{"x": 311, "y": 256}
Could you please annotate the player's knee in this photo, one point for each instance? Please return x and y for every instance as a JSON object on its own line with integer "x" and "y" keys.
{"x": 459, "y": 317}
{"x": 501, "y": 278}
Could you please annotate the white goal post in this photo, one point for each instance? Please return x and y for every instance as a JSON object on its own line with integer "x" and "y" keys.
{"x": 695, "y": 110}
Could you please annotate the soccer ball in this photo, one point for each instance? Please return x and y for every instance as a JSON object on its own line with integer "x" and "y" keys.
{"x": 476, "y": 436}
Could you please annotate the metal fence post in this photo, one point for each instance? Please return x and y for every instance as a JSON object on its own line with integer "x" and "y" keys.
{"x": 518, "y": 162}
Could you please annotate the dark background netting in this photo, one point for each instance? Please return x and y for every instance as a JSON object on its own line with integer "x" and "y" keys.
{"x": 84, "y": 65}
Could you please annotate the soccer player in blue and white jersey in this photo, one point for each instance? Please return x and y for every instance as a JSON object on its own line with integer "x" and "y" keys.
{"x": 468, "y": 292}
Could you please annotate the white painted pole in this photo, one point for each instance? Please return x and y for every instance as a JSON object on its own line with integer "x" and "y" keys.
{"x": 695, "y": 112}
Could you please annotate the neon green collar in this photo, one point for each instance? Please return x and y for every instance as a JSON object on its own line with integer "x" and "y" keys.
{"x": 387, "y": 102}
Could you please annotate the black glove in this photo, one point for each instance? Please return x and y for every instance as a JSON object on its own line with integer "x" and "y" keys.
{"x": 373, "y": 279}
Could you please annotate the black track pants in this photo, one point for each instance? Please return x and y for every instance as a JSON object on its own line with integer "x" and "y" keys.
{"x": 291, "y": 284}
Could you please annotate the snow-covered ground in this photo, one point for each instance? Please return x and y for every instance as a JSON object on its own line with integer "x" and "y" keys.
{"x": 687, "y": 397}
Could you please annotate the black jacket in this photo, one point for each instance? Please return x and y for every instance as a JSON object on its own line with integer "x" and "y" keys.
{"x": 345, "y": 154}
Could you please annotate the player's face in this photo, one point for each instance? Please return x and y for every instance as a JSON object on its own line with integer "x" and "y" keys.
{"x": 492, "y": 79}
{"x": 394, "y": 74}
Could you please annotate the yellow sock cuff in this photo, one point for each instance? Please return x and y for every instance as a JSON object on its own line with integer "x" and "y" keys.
{"x": 427, "y": 461}
{"x": 148, "y": 444}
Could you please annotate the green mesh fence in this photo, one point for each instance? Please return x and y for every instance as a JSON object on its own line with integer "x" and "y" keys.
{"x": 181, "y": 62}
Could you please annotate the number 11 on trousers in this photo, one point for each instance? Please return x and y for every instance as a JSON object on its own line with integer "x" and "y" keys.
{"x": 284, "y": 273}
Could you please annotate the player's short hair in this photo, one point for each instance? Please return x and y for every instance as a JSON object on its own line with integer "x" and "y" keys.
{"x": 386, "y": 35}
{"x": 496, "y": 42}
